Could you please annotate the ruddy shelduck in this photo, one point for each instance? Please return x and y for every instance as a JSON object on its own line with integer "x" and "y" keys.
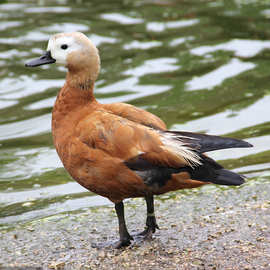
{"x": 120, "y": 151}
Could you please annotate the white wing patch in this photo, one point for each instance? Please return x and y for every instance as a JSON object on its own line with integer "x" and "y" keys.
{"x": 173, "y": 143}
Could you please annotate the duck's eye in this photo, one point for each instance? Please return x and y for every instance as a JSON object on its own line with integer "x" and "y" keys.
{"x": 64, "y": 46}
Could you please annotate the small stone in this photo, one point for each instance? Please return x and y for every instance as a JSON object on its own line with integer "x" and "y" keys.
{"x": 101, "y": 254}
{"x": 56, "y": 265}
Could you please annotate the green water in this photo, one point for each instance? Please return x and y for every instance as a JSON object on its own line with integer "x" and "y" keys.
{"x": 199, "y": 65}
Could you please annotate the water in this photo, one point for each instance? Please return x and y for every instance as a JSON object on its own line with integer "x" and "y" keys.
{"x": 200, "y": 65}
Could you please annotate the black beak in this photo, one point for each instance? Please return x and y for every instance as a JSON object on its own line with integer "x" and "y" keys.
{"x": 43, "y": 60}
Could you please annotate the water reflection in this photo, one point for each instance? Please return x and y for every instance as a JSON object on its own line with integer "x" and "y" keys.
{"x": 29, "y": 163}
{"x": 160, "y": 55}
{"x": 135, "y": 90}
{"x": 26, "y": 128}
{"x": 54, "y": 9}
{"x": 120, "y": 18}
{"x": 142, "y": 45}
{"x": 241, "y": 47}
{"x": 216, "y": 77}
{"x": 153, "y": 66}
{"x": 225, "y": 122}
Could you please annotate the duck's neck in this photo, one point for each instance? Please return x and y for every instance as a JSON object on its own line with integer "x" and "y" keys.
{"x": 78, "y": 89}
{"x": 76, "y": 94}
{"x": 82, "y": 82}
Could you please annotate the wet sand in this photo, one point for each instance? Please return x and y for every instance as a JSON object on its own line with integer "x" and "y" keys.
{"x": 207, "y": 228}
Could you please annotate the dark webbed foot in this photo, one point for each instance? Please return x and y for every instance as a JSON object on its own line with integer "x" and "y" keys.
{"x": 114, "y": 244}
{"x": 122, "y": 243}
{"x": 151, "y": 226}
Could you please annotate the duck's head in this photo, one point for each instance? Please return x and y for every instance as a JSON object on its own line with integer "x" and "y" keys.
{"x": 72, "y": 50}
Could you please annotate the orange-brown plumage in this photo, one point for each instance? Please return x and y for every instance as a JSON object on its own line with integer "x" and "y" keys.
{"x": 93, "y": 141}
{"x": 120, "y": 151}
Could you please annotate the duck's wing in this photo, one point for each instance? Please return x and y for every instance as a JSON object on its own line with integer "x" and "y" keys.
{"x": 156, "y": 155}
{"x": 126, "y": 139}
{"x": 136, "y": 115}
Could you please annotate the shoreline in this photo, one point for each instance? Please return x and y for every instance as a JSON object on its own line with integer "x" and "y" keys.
{"x": 207, "y": 228}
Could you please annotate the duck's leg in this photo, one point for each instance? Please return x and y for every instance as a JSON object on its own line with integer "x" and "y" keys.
{"x": 125, "y": 237}
{"x": 151, "y": 224}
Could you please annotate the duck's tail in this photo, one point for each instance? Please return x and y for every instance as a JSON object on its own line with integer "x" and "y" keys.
{"x": 211, "y": 171}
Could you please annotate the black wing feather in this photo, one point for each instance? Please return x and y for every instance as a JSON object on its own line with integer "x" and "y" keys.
{"x": 205, "y": 143}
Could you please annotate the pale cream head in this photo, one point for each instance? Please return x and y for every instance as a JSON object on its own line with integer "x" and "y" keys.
{"x": 76, "y": 52}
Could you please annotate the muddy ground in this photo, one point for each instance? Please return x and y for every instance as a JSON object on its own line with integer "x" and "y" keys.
{"x": 207, "y": 228}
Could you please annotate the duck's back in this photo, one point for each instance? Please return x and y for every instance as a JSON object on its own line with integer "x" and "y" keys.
{"x": 135, "y": 114}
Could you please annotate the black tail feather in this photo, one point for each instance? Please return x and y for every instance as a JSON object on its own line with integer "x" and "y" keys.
{"x": 228, "y": 178}
{"x": 211, "y": 171}
{"x": 206, "y": 143}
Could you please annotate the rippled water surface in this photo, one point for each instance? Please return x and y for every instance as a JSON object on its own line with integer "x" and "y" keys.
{"x": 200, "y": 65}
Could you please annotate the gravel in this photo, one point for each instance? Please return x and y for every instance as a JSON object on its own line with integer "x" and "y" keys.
{"x": 206, "y": 228}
